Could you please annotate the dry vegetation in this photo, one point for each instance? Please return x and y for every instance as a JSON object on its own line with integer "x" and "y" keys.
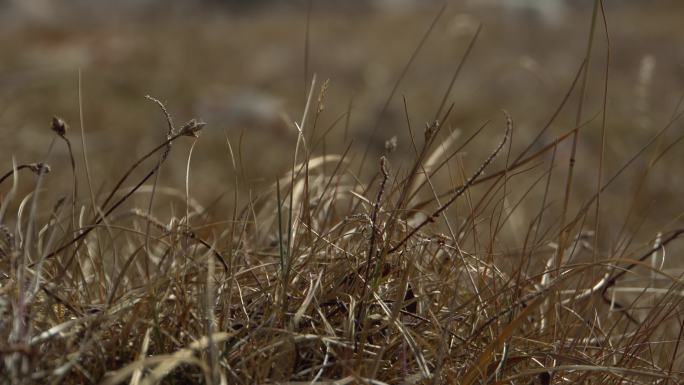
{"x": 492, "y": 254}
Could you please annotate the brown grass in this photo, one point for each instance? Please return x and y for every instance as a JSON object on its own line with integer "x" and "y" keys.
{"x": 439, "y": 264}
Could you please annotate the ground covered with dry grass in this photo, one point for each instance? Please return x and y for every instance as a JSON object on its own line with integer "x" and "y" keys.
{"x": 521, "y": 249}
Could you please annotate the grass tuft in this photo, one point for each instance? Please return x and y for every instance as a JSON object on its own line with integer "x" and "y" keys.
{"x": 450, "y": 266}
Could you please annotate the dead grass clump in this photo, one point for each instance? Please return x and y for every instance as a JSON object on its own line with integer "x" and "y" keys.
{"x": 482, "y": 268}
{"x": 325, "y": 278}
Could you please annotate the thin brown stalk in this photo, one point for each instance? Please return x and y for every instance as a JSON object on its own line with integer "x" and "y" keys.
{"x": 431, "y": 218}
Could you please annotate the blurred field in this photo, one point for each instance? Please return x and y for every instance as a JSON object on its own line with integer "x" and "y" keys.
{"x": 246, "y": 73}
{"x": 212, "y": 64}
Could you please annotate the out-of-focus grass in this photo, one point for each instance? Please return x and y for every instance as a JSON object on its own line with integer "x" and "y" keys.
{"x": 190, "y": 57}
{"x": 244, "y": 75}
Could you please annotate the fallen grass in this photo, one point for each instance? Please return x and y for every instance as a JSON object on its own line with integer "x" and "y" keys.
{"x": 322, "y": 278}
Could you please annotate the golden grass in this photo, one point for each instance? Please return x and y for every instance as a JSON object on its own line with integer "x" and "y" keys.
{"x": 466, "y": 268}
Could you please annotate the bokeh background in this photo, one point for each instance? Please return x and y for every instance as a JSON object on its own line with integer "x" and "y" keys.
{"x": 243, "y": 67}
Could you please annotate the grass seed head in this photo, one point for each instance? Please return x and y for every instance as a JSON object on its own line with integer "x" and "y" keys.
{"x": 191, "y": 128}
{"x": 40, "y": 167}
{"x": 59, "y": 126}
{"x": 431, "y": 129}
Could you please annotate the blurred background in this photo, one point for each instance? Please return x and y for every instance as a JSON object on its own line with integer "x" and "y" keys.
{"x": 244, "y": 68}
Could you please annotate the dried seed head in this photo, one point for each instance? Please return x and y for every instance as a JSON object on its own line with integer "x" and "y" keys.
{"x": 191, "y": 128}
{"x": 431, "y": 129}
{"x": 391, "y": 144}
{"x": 59, "y": 126}
{"x": 383, "y": 167}
{"x": 39, "y": 168}
{"x": 321, "y": 96}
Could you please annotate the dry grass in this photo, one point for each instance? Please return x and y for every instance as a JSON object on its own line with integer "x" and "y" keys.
{"x": 453, "y": 267}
